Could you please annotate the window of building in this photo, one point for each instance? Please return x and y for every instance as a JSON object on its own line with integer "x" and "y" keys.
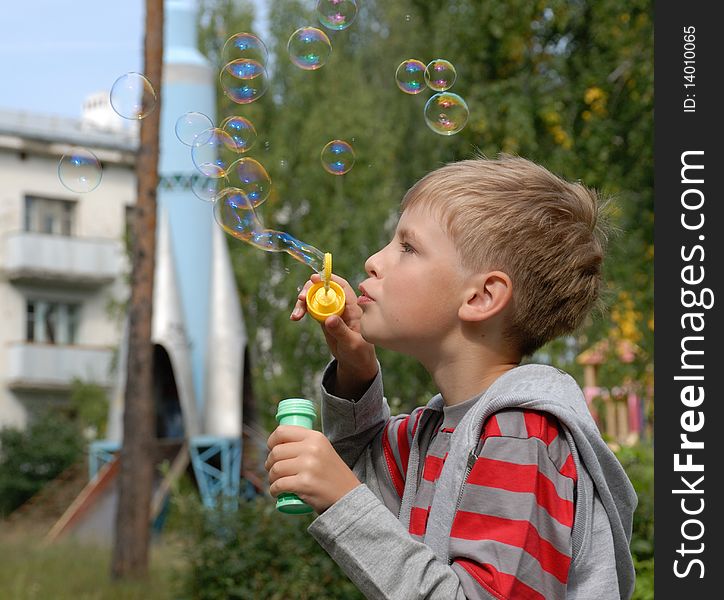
{"x": 52, "y": 322}
{"x": 48, "y": 215}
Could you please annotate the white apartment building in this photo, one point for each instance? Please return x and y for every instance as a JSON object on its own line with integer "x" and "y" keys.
{"x": 63, "y": 263}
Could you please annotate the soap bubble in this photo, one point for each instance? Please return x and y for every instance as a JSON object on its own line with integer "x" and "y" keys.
{"x": 190, "y": 125}
{"x": 133, "y": 96}
{"x": 410, "y": 76}
{"x": 246, "y": 46}
{"x": 336, "y": 14}
{"x": 205, "y": 188}
{"x": 440, "y": 75}
{"x": 80, "y": 170}
{"x": 213, "y": 152}
{"x": 237, "y": 217}
{"x": 244, "y": 80}
{"x": 242, "y": 132}
{"x": 309, "y": 48}
{"x": 249, "y": 176}
{"x": 337, "y": 157}
{"x": 446, "y": 113}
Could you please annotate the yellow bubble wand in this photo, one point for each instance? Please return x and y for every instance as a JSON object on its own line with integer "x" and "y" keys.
{"x": 325, "y": 298}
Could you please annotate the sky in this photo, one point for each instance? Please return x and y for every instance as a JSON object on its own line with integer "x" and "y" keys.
{"x": 56, "y": 52}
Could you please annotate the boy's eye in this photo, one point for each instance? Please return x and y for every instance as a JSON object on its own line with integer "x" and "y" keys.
{"x": 406, "y": 247}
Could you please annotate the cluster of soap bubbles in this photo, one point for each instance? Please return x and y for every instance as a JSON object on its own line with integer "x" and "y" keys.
{"x": 445, "y": 113}
{"x": 237, "y": 184}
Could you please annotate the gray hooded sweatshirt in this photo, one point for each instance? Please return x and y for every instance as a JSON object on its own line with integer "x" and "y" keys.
{"x": 373, "y": 546}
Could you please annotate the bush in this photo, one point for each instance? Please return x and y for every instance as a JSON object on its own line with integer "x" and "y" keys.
{"x": 30, "y": 458}
{"x": 639, "y": 464}
{"x": 255, "y": 553}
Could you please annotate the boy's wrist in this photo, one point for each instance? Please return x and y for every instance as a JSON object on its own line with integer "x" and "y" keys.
{"x": 353, "y": 383}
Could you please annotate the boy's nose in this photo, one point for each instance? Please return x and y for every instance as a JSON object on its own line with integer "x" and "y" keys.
{"x": 372, "y": 265}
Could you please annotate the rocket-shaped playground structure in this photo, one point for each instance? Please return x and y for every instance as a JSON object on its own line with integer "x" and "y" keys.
{"x": 197, "y": 330}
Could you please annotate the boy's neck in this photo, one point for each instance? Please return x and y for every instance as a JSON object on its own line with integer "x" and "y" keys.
{"x": 460, "y": 378}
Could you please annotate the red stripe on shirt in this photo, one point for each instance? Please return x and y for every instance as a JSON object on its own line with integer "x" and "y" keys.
{"x": 522, "y": 478}
{"x": 418, "y": 520}
{"x": 501, "y": 585}
{"x": 540, "y": 425}
{"x": 522, "y": 534}
{"x": 569, "y": 468}
{"x": 403, "y": 444}
{"x": 397, "y": 480}
{"x": 491, "y": 428}
{"x": 433, "y": 466}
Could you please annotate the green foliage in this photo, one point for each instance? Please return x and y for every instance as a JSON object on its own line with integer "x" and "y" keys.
{"x": 253, "y": 553}
{"x": 89, "y": 403}
{"x": 31, "y": 457}
{"x": 638, "y": 461}
{"x": 565, "y": 84}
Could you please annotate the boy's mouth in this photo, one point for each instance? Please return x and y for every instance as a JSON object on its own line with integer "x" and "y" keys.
{"x": 365, "y": 298}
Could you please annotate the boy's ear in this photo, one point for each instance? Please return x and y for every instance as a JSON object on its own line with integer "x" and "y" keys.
{"x": 487, "y": 294}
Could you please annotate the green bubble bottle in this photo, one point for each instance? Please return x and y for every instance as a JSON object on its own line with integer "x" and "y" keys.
{"x": 300, "y": 412}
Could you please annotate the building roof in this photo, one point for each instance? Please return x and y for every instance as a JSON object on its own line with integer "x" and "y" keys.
{"x": 19, "y": 127}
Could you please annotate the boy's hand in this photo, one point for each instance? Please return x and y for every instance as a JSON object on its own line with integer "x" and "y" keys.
{"x": 356, "y": 358}
{"x": 303, "y": 461}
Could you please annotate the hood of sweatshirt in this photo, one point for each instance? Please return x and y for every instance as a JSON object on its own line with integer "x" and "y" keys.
{"x": 542, "y": 388}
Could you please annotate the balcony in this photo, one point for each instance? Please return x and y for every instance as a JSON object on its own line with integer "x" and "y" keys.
{"x": 40, "y": 367}
{"x": 42, "y": 258}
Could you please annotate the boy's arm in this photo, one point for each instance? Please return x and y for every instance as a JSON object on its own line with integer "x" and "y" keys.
{"x": 376, "y": 552}
{"x": 350, "y": 423}
{"x": 373, "y": 444}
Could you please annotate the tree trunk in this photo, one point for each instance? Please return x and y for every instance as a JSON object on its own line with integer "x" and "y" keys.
{"x": 135, "y": 479}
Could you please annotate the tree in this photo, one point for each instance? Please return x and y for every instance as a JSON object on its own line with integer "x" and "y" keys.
{"x": 566, "y": 84}
{"x": 135, "y": 479}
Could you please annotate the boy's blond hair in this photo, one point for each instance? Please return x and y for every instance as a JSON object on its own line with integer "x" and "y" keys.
{"x": 515, "y": 216}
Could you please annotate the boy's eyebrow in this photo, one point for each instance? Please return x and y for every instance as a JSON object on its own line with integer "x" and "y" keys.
{"x": 407, "y": 234}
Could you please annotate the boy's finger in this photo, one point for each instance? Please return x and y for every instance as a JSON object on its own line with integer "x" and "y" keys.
{"x": 300, "y": 308}
{"x": 286, "y": 433}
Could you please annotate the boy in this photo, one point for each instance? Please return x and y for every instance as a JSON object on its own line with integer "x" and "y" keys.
{"x": 501, "y": 487}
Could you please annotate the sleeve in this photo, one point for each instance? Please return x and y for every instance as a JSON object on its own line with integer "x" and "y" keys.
{"x": 378, "y": 554}
{"x": 367, "y": 438}
{"x": 511, "y": 536}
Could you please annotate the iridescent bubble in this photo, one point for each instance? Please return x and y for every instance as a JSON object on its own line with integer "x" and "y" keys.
{"x": 337, "y": 157}
{"x": 205, "y": 188}
{"x": 235, "y": 214}
{"x": 251, "y": 178}
{"x": 133, "y": 96}
{"x": 246, "y": 46}
{"x": 213, "y": 152}
{"x": 410, "y": 76}
{"x": 190, "y": 125}
{"x": 80, "y": 170}
{"x": 446, "y": 113}
{"x": 336, "y": 14}
{"x": 244, "y": 80}
{"x": 440, "y": 75}
{"x": 309, "y": 48}
{"x": 242, "y": 132}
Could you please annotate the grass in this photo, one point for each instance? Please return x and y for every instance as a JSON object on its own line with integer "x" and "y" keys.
{"x": 68, "y": 570}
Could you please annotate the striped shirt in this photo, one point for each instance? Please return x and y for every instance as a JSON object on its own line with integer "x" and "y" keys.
{"x": 511, "y": 535}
